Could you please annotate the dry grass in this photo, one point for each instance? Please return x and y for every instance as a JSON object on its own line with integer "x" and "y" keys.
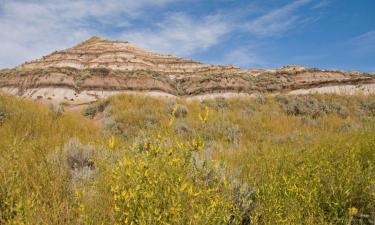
{"x": 284, "y": 160}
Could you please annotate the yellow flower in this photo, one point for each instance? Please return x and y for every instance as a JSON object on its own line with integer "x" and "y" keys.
{"x": 112, "y": 143}
{"x": 204, "y": 117}
{"x": 184, "y": 186}
{"x": 353, "y": 211}
{"x": 171, "y": 120}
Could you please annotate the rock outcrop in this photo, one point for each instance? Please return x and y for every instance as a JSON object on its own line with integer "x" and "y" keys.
{"x": 98, "y": 68}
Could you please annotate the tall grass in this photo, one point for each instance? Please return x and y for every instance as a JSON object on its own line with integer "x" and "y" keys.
{"x": 33, "y": 190}
{"x": 269, "y": 160}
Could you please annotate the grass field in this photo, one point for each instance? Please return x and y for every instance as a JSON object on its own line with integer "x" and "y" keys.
{"x": 141, "y": 160}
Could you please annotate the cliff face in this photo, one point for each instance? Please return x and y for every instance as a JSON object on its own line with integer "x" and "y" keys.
{"x": 98, "y": 68}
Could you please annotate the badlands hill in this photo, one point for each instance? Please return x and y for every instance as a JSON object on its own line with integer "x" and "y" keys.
{"x": 98, "y": 68}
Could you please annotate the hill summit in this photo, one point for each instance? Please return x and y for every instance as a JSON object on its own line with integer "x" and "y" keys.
{"x": 97, "y": 52}
{"x": 98, "y": 68}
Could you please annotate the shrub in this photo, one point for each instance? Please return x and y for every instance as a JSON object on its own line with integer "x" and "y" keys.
{"x": 348, "y": 127}
{"x": 243, "y": 196}
{"x": 160, "y": 185}
{"x": 3, "y": 116}
{"x": 3, "y": 112}
{"x": 140, "y": 114}
{"x": 100, "y": 71}
{"x": 78, "y": 160}
{"x": 260, "y": 98}
{"x": 175, "y": 109}
{"x": 180, "y": 111}
{"x": 181, "y": 128}
{"x": 310, "y": 105}
{"x": 111, "y": 125}
{"x": 92, "y": 109}
{"x": 368, "y": 106}
{"x": 218, "y": 103}
{"x": 222, "y": 129}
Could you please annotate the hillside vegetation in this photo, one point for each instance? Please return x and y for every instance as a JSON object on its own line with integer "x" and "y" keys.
{"x": 141, "y": 160}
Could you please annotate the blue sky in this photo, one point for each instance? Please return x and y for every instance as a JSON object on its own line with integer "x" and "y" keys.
{"x": 330, "y": 34}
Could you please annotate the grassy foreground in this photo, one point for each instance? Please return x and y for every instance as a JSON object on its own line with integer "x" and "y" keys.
{"x": 141, "y": 160}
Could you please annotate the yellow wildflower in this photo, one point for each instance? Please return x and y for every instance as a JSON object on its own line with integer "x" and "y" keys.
{"x": 203, "y": 117}
{"x": 184, "y": 186}
{"x": 353, "y": 211}
{"x": 81, "y": 208}
{"x": 171, "y": 120}
{"x": 112, "y": 143}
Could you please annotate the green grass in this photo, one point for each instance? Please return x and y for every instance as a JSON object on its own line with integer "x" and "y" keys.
{"x": 269, "y": 160}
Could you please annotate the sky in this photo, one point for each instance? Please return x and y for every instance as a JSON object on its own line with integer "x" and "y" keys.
{"x": 328, "y": 34}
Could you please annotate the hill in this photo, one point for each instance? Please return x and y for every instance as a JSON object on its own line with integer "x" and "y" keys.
{"x": 98, "y": 68}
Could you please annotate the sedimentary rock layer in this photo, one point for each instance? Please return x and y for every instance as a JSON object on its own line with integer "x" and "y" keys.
{"x": 116, "y": 55}
{"x": 98, "y": 68}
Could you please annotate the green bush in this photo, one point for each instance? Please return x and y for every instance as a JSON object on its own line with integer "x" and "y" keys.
{"x": 160, "y": 185}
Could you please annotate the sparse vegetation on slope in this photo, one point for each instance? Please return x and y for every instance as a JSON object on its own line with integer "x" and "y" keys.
{"x": 179, "y": 84}
{"x": 267, "y": 160}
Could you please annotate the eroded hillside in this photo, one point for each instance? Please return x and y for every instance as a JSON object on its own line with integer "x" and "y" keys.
{"x": 98, "y": 68}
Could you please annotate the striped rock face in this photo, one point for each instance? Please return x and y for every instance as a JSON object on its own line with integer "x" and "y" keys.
{"x": 116, "y": 55}
{"x": 98, "y": 68}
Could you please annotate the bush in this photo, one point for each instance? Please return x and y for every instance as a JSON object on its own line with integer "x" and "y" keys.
{"x": 140, "y": 114}
{"x": 182, "y": 128}
{"x": 3, "y": 116}
{"x": 175, "y": 109}
{"x": 111, "y": 125}
{"x": 222, "y": 129}
{"x": 218, "y": 103}
{"x": 100, "y": 71}
{"x": 260, "y": 98}
{"x": 180, "y": 111}
{"x": 160, "y": 185}
{"x": 78, "y": 159}
{"x": 369, "y": 107}
{"x": 92, "y": 109}
{"x": 348, "y": 127}
{"x": 242, "y": 195}
{"x": 312, "y": 106}
{"x": 3, "y": 112}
